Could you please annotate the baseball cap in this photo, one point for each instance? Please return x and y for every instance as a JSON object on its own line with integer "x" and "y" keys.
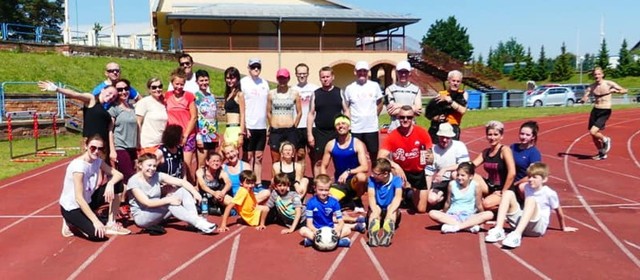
{"x": 253, "y": 61}
{"x": 283, "y": 72}
{"x": 403, "y": 65}
{"x": 362, "y": 65}
{"x": 446, "y": 130}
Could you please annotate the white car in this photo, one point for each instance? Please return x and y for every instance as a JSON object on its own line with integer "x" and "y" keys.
{"x": 552, "y": 96}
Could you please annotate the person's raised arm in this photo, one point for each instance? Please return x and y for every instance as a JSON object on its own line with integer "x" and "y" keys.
{"x": 615, "y": 88}
{"x": 50, "y": 86}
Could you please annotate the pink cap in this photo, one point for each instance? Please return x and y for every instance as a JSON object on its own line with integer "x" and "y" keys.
{"x": 283, "y": 72}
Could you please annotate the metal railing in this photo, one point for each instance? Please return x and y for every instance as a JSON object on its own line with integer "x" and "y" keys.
{"x": 29, "y": 33}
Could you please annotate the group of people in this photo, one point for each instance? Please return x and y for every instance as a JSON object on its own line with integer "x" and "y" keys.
{"x": 141, "y": 151}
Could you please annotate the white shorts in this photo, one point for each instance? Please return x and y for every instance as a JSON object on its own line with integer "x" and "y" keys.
{"x": 536, "y": 227}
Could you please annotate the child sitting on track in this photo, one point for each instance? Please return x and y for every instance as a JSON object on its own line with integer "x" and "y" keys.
{"x": 385, "y": 195}
{"x": 533, "y": 219}
{"x": 288, "y": 205}
{"x": 463, "y": 207}
{"x": 321, "y": 210}
{"x": 244, "y": 202}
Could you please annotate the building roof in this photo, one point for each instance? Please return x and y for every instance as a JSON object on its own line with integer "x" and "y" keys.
{"x": 368, "y": 21}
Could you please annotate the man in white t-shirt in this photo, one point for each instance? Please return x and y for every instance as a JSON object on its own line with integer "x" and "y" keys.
{"x": 185, "y": 62}
{"x": 363, "y": 99}
{"x": 402, "y": 92}
{"x": 305, "y": 91}
{"x": 447, "y": 154}
{"x": 256, "y": 91}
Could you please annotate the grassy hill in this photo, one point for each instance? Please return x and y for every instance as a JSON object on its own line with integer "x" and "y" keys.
{"x": 84, "y": 72}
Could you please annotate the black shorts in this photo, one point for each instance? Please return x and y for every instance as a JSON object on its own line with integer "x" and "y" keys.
{"x": 598, "y": 118}
{"x": 302, "y": 138}
{"x": 442, "y": 186}
{"x": 417, "y": 180}
{"x": 279, "y": 135}
{"x": 371, "y": 140}
{"x": 322, "y": 137}
{"x": 210, "y": 145}
{"x": 256, "y": 142}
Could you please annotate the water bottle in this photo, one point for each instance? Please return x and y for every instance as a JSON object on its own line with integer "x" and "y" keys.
{"x": 204, "y": 205}
{"x": 423, "y": 155}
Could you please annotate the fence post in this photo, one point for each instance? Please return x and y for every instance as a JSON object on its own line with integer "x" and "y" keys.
{"x": 159, "y": 44}
{"x": 38, "y": 34}
{"x": 1, "y": 102}
{"x": 171, "y": 44}
{"x": 4, "y": 31}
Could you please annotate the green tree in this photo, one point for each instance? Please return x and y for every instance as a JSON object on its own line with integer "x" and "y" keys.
{"x": 528, "y": 72}
{"x": 603, "y": 56}
{"x": 562, "y": 69}
{"x": 541, "y": 72}
{"x": 625, "y": 62}
{"x": 588, "y": 62}
{"x": 42, "y": 13}
{"x": 450, "y": 37}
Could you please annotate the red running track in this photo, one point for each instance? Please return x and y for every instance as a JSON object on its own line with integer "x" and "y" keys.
{"x": 601, "y": 198}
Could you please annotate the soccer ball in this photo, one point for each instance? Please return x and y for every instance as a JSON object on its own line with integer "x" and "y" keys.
{"x": 326, "y": 239}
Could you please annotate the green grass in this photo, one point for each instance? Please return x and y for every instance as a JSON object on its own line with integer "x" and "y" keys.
{"x": 84, "y": 73}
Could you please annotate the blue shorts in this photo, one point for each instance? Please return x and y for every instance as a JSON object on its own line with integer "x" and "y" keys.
{"x": 460, "y": 216}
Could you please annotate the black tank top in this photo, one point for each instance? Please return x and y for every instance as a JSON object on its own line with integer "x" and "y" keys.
{"x": 172, "y": 163}
{"x": 328, "y": 105}
{"x": 96, "y": 121}
{"x": 231, "y": 106}
{"x": 495, "y": 167}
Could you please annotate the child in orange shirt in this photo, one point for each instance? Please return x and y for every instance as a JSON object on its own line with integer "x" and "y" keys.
{"x": 244, "y": 202}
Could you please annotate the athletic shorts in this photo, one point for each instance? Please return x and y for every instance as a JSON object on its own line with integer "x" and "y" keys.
{"x": 460, "y": 216}
{"x": 232, "y": 134}
{"x": 279, "y": 135}
{"x": 190, "y": 145}
{"x": 417, "y": 180}
{"x": 302, "y": 138}
{"x": 371, "y": 140}
{"x": 441, "y": 187}
{"x": 322, "y": 137}
{"x": 598, "y": 118}
{"x": 256, "y": 142}
{"x": 535, "y": 228}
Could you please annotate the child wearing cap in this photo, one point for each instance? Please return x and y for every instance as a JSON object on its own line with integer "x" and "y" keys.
{"x": 283, "y": 114}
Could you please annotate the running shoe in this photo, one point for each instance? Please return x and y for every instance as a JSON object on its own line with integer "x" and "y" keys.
{"x": 446, "y": 228}
{"x": 474, "y": 229}
{"x": 344, "y": 242}
{"x": 115, "y": 228}
{"x": 66, "y": 231}
{"x": 494, "y": 235}
{"x": 205, "y": 226}
{"x": 512, "y": 240}
{"x": 606, "y": 145}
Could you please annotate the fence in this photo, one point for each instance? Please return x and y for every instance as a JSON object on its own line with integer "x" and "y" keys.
{"x": 29, "y": 33}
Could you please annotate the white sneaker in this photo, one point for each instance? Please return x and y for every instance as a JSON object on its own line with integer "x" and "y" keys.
{"x": 494, "y": 235}
{"x": 446, "y": 228}
{"x": 66, "y": 231}
{"x": 606, "y": 143}
{"x": 512, "y": 240}
{"x": 205, "y": 226}
{"x": 474, "y": 229}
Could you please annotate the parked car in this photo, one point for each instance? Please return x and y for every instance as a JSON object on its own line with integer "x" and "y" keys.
{"x": 552, "y": 96}
{"x": 579, "y": 90}
{"x": 541, "y": 88}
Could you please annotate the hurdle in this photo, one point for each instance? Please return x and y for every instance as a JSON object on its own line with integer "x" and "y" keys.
{"x": 38, "y": 151}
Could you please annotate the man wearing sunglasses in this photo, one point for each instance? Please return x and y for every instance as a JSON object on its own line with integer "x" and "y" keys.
{"x": 408, "y": 147}
{"x": 403, "y": 92}
{"x": 185, "y": 62}
{"x": 256, "y": 91}
{"x": 112, "y": 72}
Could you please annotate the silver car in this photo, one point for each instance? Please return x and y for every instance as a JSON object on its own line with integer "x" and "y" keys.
{"x": 552, "y": 96}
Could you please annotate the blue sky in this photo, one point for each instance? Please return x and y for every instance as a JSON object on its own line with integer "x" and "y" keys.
{"x": 487, "y": 21}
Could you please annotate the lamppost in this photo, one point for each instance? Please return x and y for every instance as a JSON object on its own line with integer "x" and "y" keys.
{"x": 580, "y": 62}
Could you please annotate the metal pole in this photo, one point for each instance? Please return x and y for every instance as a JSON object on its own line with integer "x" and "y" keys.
{"x": 67, "y": 31}
{"x": 113, "y": 25}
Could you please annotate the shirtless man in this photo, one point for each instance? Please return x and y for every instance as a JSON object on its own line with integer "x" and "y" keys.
{"x": 601, "y": 90}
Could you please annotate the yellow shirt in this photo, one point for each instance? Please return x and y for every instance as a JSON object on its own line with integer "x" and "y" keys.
{"x": 245, "y": 201}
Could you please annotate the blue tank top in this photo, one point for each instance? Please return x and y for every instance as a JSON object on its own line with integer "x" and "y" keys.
{"x": 344, "y": 159}
{"x": 234, "y": 178}
{"x": 463, "y": 202}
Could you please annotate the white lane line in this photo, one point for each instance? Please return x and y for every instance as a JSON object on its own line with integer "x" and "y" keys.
{"x": 91, "y": 258}
{"x": 589, "y": 210}
{"x": 609, "y": 194}
{"x": 374, "y": 260}
{"x": 632, "y": 244}
{"x": 338, "y": 260}
{"x": 486, "y": 267}
{"x": 232, "y": 258}
{"x": 615, "y": 205}
{"x": 630, "y": 149}
{"x": 582, "y": 223}
{"x": 34, "y": 175}
{"x": 201, "y": 254}
{"x": 523, "y": 262}
{"x": 28, "y": 216}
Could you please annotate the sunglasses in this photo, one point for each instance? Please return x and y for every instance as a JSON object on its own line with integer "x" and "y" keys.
{"x": 256, "y": 67}
{"x": 113, "y": 70}
{"x": 185, "y": 63}
{"x": 405, "y": 117}
{"x": 94, "y": 148}
{"x": 122, "y": 89}
{"x": 155, "y": 87}
{"x": 302, "y": 74}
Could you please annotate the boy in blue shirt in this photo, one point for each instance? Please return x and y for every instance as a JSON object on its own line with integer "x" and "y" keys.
{"x": 385, "y": 195}
{"x": 321, "y": 211}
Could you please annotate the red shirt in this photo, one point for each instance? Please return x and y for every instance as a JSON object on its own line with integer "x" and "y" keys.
{"x": 178, "y": 109}
{"x": 405, "y": 150}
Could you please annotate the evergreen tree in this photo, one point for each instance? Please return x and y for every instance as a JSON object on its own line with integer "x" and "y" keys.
{"x": 528, "y": 73}
{"x": 450, "y": 37}
{"x": 41, "y": 13}
{"x": 588, "y": 62}
{"x": 562, "y": 69}
{"x": 541, "y": 71}
{"x": 603, "y": 56}
{"x": 625, "y": 62}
